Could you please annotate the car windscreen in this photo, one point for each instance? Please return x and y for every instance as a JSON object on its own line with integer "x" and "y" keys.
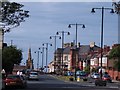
{"x": 12, "y": 77}
{"x": 96, "y": 74}
{"x": 33, "y": 73}
{"x": 107, "y": 76}
{"x": 81, "y": 73}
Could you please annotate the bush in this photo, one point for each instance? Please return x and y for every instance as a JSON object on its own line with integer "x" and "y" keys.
{"x": 85, "y": 79}
{"x": 71, "y": 79}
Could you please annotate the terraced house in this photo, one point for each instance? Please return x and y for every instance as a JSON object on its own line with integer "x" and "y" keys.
{"x": 84, "y": 56}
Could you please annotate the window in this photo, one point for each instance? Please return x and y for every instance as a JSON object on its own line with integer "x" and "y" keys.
{"x": 66, "y": 58}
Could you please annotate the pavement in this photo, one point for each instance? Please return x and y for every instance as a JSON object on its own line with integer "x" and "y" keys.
{"x": 89, "y": 80}
{"x": 115, "y": 81}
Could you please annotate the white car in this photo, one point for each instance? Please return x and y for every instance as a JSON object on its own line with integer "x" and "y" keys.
{"x": 33, "y": 76}
{"x": 95, "y": 76}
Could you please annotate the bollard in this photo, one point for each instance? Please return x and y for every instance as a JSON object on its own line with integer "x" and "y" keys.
{"x": 78, "y": 78}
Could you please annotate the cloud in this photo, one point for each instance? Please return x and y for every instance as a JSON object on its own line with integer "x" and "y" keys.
{"x": 48, "y": 18}
{"x": 62, "y": 0}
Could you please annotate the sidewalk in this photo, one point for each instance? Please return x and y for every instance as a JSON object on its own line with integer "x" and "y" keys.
{"x": 115, "y": 81}
{"x": 63, "y": 78}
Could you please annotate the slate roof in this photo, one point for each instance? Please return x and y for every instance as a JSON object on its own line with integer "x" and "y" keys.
{"x": 82, "y": 50}
{"x": 87, "y": 49}
{"x": 65, "y": 50}
{"x": 58, "y": 51}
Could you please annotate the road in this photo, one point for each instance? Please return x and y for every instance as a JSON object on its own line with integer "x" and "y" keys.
{"x": 47, "y": 82}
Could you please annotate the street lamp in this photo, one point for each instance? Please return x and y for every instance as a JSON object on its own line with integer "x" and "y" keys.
{"x": 47, "y": 53}
{"x": 38, "y": 59}
{"x": 93, "y": 11}
{"x": 62, "y": 32}
{"x": 76, "y": 25}
{"x": 42, "y": 55}
{"x": 55, "y": 37}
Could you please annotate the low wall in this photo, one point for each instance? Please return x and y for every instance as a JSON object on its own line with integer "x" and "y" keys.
{"x": 114, "y": 74}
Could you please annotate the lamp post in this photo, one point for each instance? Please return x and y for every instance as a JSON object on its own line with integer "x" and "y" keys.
{"x": 42, "y": 56}
{"x": 47, "y": 53}
{"x": 38, "y": 59}
{"x": 93, "y": 11}
{"x": 76, "y": 25}
{"x": 55, "y": 37}
{"x": 62, "y": 32}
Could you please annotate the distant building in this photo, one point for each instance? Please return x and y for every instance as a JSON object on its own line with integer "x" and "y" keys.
{"x": 29, "y": 62}
{"x": 75, "y": 58}
{"x": 18, "y": 68}
{"x": 51, "y": 67}
{"x": 65, "y": 65}
{"x": 86, "y": 53}
{"x": 85, "y": 57}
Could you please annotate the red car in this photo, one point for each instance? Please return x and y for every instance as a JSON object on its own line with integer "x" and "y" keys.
{"x": 15, "y": 80}
{"x": 106, "y": 77}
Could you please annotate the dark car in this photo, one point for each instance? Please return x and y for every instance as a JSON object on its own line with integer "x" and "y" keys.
{"x": 100, "y": 82}
{"x": 15, "y": 81}
{"x": 107, "y": 78}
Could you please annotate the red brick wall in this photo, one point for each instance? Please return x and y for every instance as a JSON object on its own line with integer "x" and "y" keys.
{"x": 113, "y": 74}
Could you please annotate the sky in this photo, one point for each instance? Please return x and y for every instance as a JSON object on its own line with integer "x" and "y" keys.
{"x": 47, "y": 18}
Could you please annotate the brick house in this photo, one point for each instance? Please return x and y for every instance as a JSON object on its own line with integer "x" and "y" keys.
{"x": 86, "y": 55}
{"x": 75, "y": 58}
{"x": 66, "y": 59}
{"x": 95, "y": 61}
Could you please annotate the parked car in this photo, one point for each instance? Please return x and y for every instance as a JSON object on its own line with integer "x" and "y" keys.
{"x": 106, "y": 77}
{"x": 68, "y": 73}
{"x": 95, "y": 75}
{"x": 82, "y": 75}
{"x": 15, "y": 81}
{"x": 33, "y": 76}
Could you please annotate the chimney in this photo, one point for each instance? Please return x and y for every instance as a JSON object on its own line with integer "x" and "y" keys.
{"x": 92, "y": 44}
{"x": 72, "y": 44}
{"x": 79, "y": 44}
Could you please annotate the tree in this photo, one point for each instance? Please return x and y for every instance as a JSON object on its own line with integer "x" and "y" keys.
{"x": 115, "y": 54}
{"x": 10, "y": 56}
{"x": 12, "y": 15}
{"x": 87, "y": 69}
{"x": 117, "y": 7}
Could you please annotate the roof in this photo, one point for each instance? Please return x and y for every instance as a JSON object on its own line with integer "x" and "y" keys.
{"x": 86, "y": 49}
{"x": 66, "y": 50}
{"x": 58, "y": 51}
{"x": 19, "y": 67}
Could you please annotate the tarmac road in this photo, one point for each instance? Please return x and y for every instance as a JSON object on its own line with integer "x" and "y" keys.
{"x": 46, "y": 82}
